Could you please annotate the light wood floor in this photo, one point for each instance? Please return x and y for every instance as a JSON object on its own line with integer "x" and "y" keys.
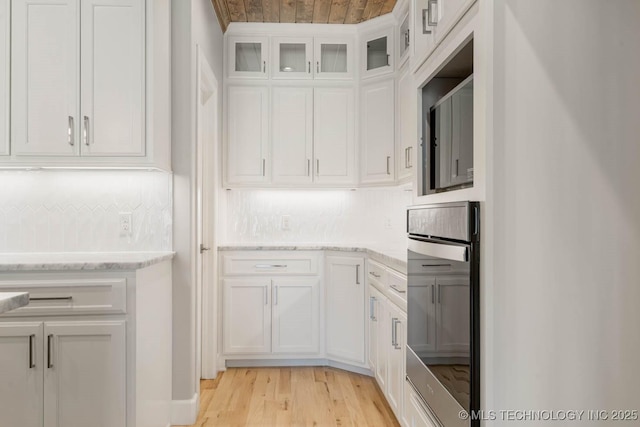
{"x": 304, "y": 396}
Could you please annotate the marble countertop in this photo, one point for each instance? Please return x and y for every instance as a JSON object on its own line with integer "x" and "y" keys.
{"x": 12, "y": 300}
{"x": 81, "y": 260}
{"x": 393, "y": 259}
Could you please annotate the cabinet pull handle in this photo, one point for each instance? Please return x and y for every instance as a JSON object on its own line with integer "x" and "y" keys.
{"x": 357, "y": 274}
{"x": 436, "y": 265}
{"x": 374, "y": 274}
{"x": 397, "y": 290}
{"x": 270, "y": 266}
{"x": 406, "y": 158}
{"x": 317, "y": 66}
{"x": 457, "y": 166}
{"x": 32, "y": 364}
{"x": 309, "y": 66}
{"x": 264, "y": 169}
{"x": 409, "y": 151}
{"x": 317, "y": 167}
{"x": 69, "y": 298}
{"x": 429, "y": 16}
{"x": 388, "y": 59}
{"x": 85, "y": 134}
{"x": 266, "y": 296}
{"x": 407, "y": 37}
{"x": 372, "y": 314}
{"x": 388, "y": 161}
{"x": 433, "y": 301}
{"x": 308, "y": 167}
{"x": 49, "y": 351}
{"x": 439, "y": 292}
{"x": 394, "y": 339}
{"x": 70, "y": 129}
{"x": 264, "y": 66}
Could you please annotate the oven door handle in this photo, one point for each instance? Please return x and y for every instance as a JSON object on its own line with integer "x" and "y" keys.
{"x": 439, "y": 250}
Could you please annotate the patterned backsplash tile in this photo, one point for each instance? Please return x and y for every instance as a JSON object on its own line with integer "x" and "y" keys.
{"x": 78, "y": 211}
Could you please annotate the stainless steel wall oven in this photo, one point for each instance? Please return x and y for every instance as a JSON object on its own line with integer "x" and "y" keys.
{"x": 443, "y": 342}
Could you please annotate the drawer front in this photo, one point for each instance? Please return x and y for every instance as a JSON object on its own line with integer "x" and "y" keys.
{"x": 398, "y": 284}
{"x": 263, "y": 264}
{"x": 436, "y": 267}
{"x": 70, "y": 297}
{"x": 377, "y": 273}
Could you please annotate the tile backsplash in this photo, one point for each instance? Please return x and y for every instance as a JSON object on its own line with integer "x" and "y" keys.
{"x": 372, "y": 217}
{"x": 78, "y": 210}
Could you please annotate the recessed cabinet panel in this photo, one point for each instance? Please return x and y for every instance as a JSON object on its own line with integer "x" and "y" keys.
{"x": 404, "y": 40}
{"x": 333, "y": 58}
{"x": 247, "y": 134}
{"x": 292, "y": 138}
{"x": 296, "y": 315}
{"x": 248, "y": 57}
{"x": 247, "y": 315}
{"x": 5, "y": 50}
{"x": 334, "y": 139}
{"x": 407, "y": 129}
{"x": 377, "y": 133}
{"x": 292, "y": 58}
{"x": 21, "y": 381}
{"x": 85, "y": 374}
{"x": 45, "y": 118}
{"x": 112, "y": 71}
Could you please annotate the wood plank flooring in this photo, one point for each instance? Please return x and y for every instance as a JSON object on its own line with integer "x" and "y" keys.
{"x": 301, "y": 396}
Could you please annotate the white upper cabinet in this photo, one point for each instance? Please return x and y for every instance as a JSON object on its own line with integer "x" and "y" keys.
{"x": 377, "y": 53}
{"x": 334, "y": 135}
{"x": 404, "y": 39}
{"x": 45, "y": 118}
{"x": 407, "y": 127}
{"x": 377, "y": 133}
{"x": 333, "y": 58}
{"x": 292, "y": 58}
{"x": 5, "y": 56}
{"x": 423, "y": 15}
{"x": 247, "y": 57}
{"x": 247, "y": 134}
{"x": 292, "y": 138}
{"x": 112, "y": 83}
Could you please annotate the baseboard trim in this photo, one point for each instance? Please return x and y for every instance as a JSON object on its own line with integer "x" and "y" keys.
{"x": 263, "y": 363}
{"x": 185, "y": 412}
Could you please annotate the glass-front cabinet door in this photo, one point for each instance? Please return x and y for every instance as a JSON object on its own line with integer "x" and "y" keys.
{"x": 404, "y": 40}
{"x": 377, "y": 53}
{"x": 248, "y": 57}
{"x": 292, "y": 58}
{"x": 333, "y": 58}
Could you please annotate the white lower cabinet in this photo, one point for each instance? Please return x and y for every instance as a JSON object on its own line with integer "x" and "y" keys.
{"x": 84, "y": 374}
{"x": 378, "y": 336}
{"x": 264, "y": 315}
{"x": 345, "y": 291}
{"x": 415, "y": 413}
{"x": 396, "y": 358}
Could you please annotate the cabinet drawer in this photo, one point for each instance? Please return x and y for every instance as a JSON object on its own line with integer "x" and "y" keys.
{"x": 69, "y": 297}
{"x": 378, "y": 273}
{"x": 398, "y": 284}
{"x": 263, "y": 264}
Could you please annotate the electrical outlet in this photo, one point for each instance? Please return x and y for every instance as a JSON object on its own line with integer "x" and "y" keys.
{"x": 286, "y": 222}
{"x": 126, "y": 223}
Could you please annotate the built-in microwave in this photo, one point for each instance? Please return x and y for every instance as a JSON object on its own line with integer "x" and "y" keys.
{"x": 448, "y": 157}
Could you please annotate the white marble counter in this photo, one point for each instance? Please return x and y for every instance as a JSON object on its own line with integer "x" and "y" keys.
{"x": 395, "y": 260}
{"x": 81, "y": 261}
{"x": 12, "y": 300}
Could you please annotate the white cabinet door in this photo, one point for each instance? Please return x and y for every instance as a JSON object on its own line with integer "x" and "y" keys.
{"x": 247, "y": 57}
{"x": 396, "y": 361}
{"x": 452, "y": 314}
{"x": 407, "y": 130}
{"x": 334, "y": 137}
{"x": 21, "y": 381}
{"x": 85, "y": 374}
{"x": 377, "y": 133}
{"x": 112, "y": 75}
{"x": 5, "y": 56}
{"x": 416, "y": 414}
{"x": 296, "y": 315}
{"x": 333, "y": 57}
{"x": 247, "y": 316}
{"x": 372, "y": 327}
{"x": 422, "y": 308}
{"x": 383, "y": 332}
{"x": 292, "y": 57}
{"x": 247, "y": 134}
{"x": 345, "y": 334}
{"x": 292, "y": 138}
{"x": 424, "y": 24}
{"x": 45, "y": 119}
{"x": 377, "y": 53}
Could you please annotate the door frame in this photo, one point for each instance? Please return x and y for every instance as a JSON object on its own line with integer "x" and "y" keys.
{"x": 207, "y": 181}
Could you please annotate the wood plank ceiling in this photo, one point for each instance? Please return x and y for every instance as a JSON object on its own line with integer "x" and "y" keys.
{"x": 300, "y": 11}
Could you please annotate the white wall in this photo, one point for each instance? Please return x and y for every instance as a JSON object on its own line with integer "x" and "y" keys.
{"x": 78, "y": 211}
{"x": 339, "y": 217}
{"x": 193, "y": 23}
{"x": 564, "y": 192}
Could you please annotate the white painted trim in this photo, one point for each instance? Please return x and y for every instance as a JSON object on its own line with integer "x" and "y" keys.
{"x": 262, "y": 363}
{"x": 185, "y": 412}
